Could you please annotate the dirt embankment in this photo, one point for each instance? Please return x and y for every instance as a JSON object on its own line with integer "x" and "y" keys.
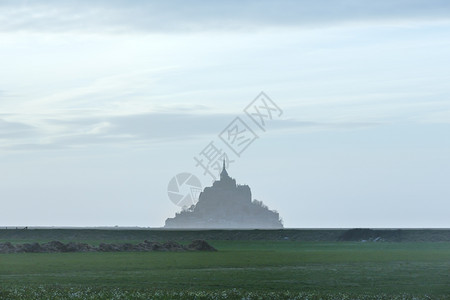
{"x": 17, "y": 236}
{"x": 146, "y": 246}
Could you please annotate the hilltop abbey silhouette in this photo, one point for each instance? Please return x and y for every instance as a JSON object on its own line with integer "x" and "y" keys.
{"x": 226, "y": 205}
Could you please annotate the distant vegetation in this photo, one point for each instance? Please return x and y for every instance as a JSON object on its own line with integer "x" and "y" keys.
{"x": 97, "y": 236}
{"x": 360, "y": 234}
{"x": 61, "y": 293}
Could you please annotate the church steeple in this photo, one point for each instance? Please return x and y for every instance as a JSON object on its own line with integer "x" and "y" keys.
{"x": 224, "y": 173}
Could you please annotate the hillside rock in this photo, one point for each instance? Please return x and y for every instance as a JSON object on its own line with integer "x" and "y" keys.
{"x": 226, "y": 205}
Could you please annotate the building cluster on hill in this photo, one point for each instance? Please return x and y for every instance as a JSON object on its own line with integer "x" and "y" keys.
{"x": 226, "y": 205}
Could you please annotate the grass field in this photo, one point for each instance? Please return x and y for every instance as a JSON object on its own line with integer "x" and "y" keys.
{"x": 254, "y": 269}
{"x": 314, "y": 268}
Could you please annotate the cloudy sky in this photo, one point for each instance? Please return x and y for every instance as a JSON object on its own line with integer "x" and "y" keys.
{"x": 103, "y": 102}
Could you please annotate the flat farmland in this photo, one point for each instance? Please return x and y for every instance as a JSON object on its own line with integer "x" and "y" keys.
{"x": 252, "y": 269}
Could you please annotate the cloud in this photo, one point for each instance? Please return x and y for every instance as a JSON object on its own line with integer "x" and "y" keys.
{"x": 137, "y": 129}
{"x": 108, "y": 130}
{"x": 3, "y": 95}
{"x": 175, "y": 16}
{"x": 15, "y": 130}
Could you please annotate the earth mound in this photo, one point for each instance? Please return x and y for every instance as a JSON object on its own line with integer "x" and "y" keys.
{"x": 200, "y": 245}
{"x": 146, "y": 246}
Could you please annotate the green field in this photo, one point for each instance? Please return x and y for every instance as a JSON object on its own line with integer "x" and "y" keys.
{"x": 252, "y": 269}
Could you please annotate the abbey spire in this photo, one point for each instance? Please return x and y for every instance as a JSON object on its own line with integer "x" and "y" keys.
{"x": 224, "y": 173}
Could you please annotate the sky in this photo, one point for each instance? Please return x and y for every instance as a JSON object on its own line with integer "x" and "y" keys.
{"x": 102, "y": 103}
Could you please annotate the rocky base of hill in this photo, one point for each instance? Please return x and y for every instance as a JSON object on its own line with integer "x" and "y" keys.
{"x": 146, "y": 246}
